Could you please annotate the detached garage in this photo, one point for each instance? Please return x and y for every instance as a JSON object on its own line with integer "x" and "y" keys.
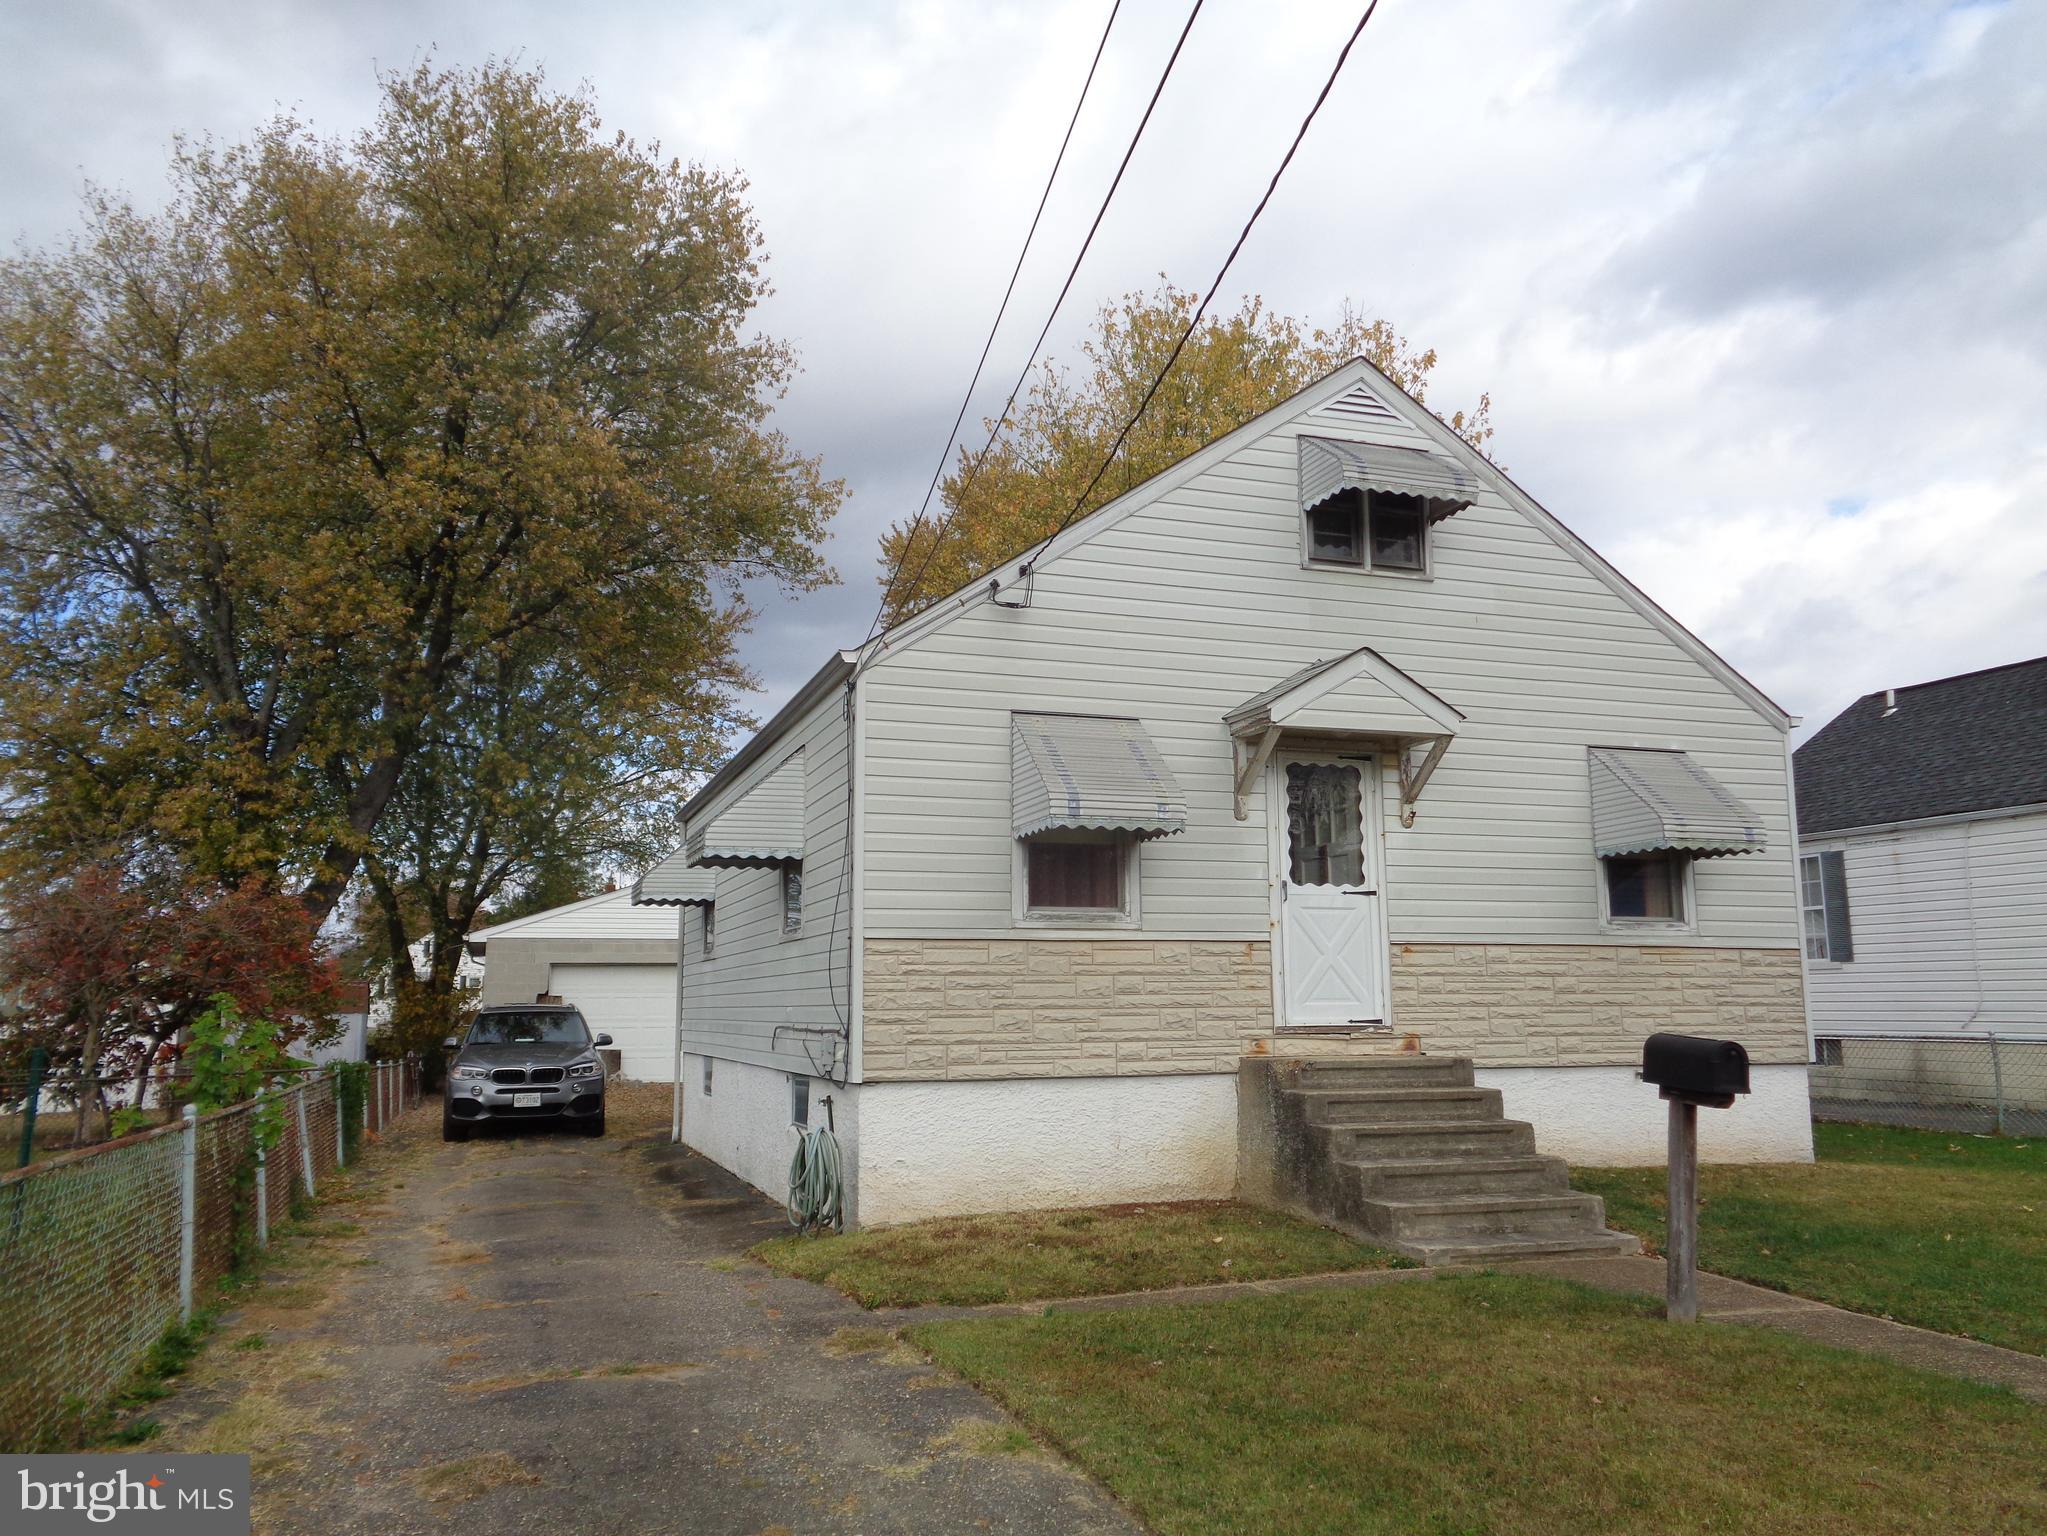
{"x": 614, "y": 961}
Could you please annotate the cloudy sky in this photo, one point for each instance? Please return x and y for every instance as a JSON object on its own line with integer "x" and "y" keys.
{"x": 1759, "y": 289}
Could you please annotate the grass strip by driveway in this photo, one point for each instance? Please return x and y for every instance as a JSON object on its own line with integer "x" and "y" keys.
{"x": 1042, "y": 1255}
{"x": 1945, "y": 1230}
{"x": 1496, "y": 1403}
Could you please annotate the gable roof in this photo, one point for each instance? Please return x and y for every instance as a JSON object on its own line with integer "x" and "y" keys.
{"x": 1288, "y": 700}
{"x": 607, "y": 915}
{"x": 1976, "y": 742}
{"x": 1328, "y": 390}
{"x": 1387, "y": 398}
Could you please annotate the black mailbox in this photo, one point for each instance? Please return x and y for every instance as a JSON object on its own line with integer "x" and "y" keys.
{"x": 1693, "y": 1070}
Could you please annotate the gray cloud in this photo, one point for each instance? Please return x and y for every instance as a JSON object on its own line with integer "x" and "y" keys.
{"x": 1899, "y": 173}
{"x": 1720, "y": 264}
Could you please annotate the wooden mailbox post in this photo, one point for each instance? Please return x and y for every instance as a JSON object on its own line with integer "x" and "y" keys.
{"x": 1689, "y": 1071}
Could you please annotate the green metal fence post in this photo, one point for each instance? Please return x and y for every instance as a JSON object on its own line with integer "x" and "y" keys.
{"x": 38, "y": 1063}
{"x": 188, "y": 1210}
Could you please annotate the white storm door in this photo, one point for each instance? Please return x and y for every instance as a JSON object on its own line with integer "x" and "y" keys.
{"x": 1332, "y": 922}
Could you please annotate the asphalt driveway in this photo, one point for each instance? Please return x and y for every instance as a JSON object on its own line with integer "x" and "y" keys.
{"x": 560, "y": 1334}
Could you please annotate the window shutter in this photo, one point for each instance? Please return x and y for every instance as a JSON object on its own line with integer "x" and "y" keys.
{"x": 1834, "y": 883}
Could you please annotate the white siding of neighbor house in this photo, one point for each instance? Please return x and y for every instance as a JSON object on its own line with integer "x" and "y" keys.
{"x": 610, "y": 915}
{"x": 757, "y": 978}
{"x": 1950, "y": 930}
{"x": 1187, "y": 606}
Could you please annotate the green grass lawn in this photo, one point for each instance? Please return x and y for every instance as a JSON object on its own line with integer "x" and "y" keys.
{"x": 1489, "y": 1403}
{"x": 1948, "y": 1231}
{"x": 1041, "y": 1255}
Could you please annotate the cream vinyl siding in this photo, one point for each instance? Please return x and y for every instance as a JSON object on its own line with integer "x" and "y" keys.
{"x": 757, "y": 977}
{"x": 1950, "y": 927}
{"x": 1187, "y": 606}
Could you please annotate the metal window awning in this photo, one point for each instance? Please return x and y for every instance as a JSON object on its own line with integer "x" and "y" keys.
{"x": 1358, "y": 696}
{"x": 674, "y": 882}
{"x": 1091, "y": 772}
{"x": 1644, "y": 801}
{"x": 762, "y": 826}
{"x": 1328, "y": 465}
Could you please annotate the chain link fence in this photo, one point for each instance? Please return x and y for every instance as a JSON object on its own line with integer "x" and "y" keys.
{"x": 1991, "y": 1084}
{"x": 103, "y": 1249}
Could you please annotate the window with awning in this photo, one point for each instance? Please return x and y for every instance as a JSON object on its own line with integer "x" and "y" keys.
{"x": 1329, "y": 467}
{"x": 674, "y": 882}
{"x": 1093, "y": 773}
{"x": 1646, "y": 801}
{"x": 759, "y": 827}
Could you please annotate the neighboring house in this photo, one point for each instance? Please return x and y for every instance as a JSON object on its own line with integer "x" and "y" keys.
{"x": 1326, "y": 740}
{"x": 468, "y": 981}
{"x": 613, "y": 960}
{"x": 1922, "y": 824}
{"x": 353, "y": 1015}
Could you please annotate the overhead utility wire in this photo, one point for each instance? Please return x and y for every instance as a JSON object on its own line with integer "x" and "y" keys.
{"x": 845, "y": 871}
{"x": 974, "y": 467}
{"x": 1000, "y": 310}
{"x": 1223, "y": 271}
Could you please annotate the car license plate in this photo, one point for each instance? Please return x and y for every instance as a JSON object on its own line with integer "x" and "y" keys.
{"x": 525, "y": 1101}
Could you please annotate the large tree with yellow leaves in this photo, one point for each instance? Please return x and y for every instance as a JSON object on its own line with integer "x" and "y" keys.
{"x": 298, "y": 469}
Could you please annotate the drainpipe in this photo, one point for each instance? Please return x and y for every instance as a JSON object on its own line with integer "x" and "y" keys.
{"x": 1798, "y": 911}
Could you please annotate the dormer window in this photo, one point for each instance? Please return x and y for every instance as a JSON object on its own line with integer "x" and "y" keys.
{"x": 1369, "y": 506}
{"x": 1372, "y": 530}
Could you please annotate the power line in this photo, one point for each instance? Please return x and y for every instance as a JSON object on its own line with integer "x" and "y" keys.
{"x": 888, "y": 591}
{"x": 1000, "y": 310}
{"x": 1123, "y": 435}
{"x": 974, "y": 468}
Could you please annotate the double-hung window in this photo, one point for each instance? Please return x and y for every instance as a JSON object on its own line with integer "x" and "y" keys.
{"x": 1646, "y": 887}
{"x": 1371, "y": 530}
{"x": 792, "y": 899}
{"x": 1078, "y": 875}
{"x": 1823, "y": 907}
{"x": 1086, "y": 792}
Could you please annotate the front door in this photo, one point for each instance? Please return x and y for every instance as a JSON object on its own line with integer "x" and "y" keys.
{"x": 1332, "y": 921}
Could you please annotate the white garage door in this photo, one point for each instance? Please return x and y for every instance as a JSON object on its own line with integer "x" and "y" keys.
{"x": 634, "y": 1004}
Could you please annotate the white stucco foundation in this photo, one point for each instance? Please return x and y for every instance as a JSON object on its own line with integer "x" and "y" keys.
{"x": 1604, "y": 1117}
{"x": 744, "y": 1123}
{"x": 945, "y": 1149}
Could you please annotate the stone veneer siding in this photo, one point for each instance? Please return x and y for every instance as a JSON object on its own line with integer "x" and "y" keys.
{"x": 1045, "y": 1007}
{"x": 968, "y": 1008}
{"x": 1591, "y": 1005}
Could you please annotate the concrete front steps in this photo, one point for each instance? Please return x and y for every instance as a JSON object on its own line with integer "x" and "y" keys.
{"x": 1404, "y": 1151}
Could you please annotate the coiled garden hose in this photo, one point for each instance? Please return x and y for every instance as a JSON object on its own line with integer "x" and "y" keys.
{"x": 816, "y": 1194}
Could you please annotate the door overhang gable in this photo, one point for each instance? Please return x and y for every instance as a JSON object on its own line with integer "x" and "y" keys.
{"x": 1359, "y": 699}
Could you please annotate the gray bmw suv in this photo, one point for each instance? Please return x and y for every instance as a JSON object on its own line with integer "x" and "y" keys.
{"x": 524, "y": 1061}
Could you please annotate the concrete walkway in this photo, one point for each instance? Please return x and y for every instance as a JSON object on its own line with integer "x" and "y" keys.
{"x": 558, "y": 1334}
{"x": 1720, "y": 1300}
{"x": 1735, "y": 1301}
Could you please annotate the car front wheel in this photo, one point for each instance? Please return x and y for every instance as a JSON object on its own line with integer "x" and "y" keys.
{"x": 594, "y": 1125}
{"x": 451, "y": 1128}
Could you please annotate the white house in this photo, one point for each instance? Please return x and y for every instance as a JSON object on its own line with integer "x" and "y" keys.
{"x": 615, "y": 961}
{"x": 1922, "y": 815}
{"x": 1328, "y": 740}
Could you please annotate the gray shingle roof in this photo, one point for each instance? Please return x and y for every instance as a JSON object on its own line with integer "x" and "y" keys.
{"x": 1977, "y": 742}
